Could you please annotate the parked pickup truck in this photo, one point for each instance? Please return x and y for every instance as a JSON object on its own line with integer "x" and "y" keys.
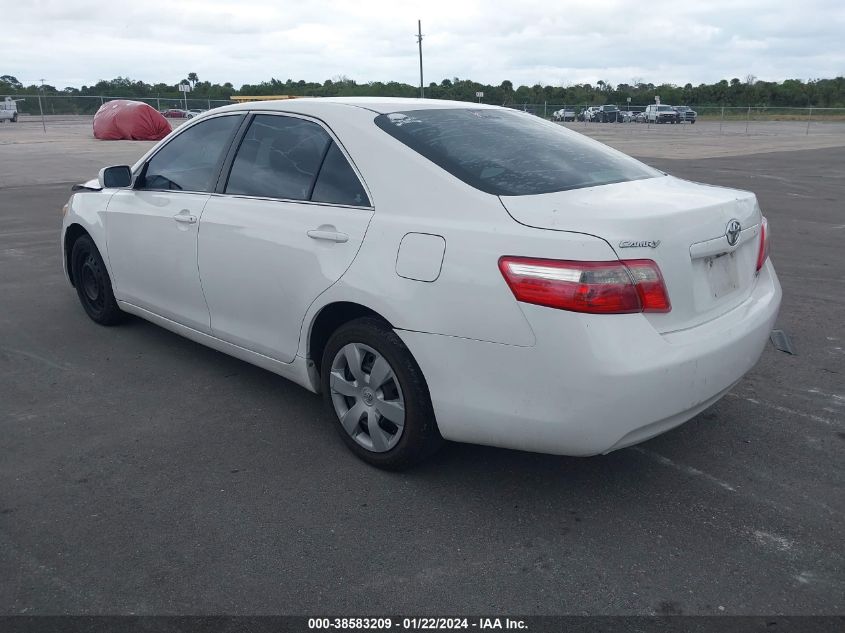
{"x": 9, "y": 110}
{"x": 660, "y": 113}
{"x": 686, "y": 113}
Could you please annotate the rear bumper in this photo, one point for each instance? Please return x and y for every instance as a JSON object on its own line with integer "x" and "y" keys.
{"x": 592, "y": 383}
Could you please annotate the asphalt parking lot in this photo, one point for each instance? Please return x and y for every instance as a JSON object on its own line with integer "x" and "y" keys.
{"x": 143, "y": 473}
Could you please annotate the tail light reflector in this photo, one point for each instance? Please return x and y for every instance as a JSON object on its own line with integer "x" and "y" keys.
{"x": 763, "y": 253}
{"x": 614, "y": 287}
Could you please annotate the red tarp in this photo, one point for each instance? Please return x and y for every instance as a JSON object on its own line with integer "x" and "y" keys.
{"x": 130, "y": 120}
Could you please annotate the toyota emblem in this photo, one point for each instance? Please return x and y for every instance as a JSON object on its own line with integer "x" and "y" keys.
{"x": 732, "y": 232}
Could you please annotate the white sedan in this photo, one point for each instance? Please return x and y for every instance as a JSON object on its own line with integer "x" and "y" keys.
{"x": 436, "y": 270}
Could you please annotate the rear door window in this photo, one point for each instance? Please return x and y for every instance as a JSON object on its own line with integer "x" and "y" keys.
{"x": 509, "y": 153}
{"x": 338, "y": 183}
{"x": 279, "y": 157}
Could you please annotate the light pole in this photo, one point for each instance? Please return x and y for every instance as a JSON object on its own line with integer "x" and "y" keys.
{"x": 419, "y": 43}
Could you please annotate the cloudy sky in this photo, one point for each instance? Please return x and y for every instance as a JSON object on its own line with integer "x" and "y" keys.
{"x": 75, "y": 42}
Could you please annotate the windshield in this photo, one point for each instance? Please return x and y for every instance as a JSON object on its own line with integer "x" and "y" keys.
{"x": 664, "y": 108}
{"x": 610, "y": 107}
{"x": 510, "y": 154}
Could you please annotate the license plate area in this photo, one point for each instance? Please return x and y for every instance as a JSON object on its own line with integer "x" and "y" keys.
{"x": 722, "y": 274}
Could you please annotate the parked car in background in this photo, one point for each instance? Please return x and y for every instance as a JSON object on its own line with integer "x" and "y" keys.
{"x": 193, "y": 113}
{"x": 686, "y": 113}
{"x": 564, "y": 114}
{"x": 639, "y": 117}
{"x": 175, "y": 113}
{"x": 607, "y": 114}
{"x": 9, "y": 110}
{"x": 659, "y": 113}
{"x": 627, "y": 115}
{"x": 587, "y": 113}
{"x": 323, "y": 239}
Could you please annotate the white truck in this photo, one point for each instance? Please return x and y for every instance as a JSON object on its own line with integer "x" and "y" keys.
{"x": 9, "y": 110}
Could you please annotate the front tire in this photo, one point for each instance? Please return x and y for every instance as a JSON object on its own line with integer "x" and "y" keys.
{"x": 93, "y": 285}
{"x": 377, "y": 395}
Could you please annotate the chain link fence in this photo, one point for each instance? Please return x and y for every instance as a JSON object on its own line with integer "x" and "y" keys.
{"x": 33, "y": 104}
{"x": 730, "y": 120}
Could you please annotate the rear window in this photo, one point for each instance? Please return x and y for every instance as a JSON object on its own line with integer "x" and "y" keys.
{"x": 510, "y": 153}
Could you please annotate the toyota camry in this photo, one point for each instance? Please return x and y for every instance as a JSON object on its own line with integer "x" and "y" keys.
{"x": 436, "y": 270}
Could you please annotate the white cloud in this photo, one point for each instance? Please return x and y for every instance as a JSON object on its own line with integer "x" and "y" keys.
{"x": 74, "y": 42}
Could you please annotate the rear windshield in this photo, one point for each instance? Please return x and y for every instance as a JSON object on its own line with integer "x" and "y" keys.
{"x": 510, "y": 153}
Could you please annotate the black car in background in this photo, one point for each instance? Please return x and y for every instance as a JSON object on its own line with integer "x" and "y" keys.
{"x": 607, "y": 114}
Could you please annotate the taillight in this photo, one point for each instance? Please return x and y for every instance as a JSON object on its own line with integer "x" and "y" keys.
{"x": 616, "y": 287}
{"x": 763, "y": 252}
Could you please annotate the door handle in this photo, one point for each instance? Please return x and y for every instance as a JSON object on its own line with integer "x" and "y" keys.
{"x": 328, "y": 235}
{"x": 185, "y": 218}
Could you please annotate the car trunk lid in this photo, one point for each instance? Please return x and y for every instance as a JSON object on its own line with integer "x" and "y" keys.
{"x": 680, "y": 225}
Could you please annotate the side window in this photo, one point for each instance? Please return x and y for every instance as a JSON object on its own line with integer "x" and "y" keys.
{"x": 337, "y": 182}
{"x": 278, "y": 158}
{"x": 190, "y": 161}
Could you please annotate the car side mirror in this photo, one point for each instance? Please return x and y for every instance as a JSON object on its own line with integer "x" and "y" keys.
{"x": 115, "y": 177}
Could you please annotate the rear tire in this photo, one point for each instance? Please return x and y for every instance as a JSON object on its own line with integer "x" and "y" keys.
{"x": 93, "y": 285}
{"x": 366, "y": 370}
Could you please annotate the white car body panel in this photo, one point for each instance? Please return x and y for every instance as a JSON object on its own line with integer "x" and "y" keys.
{"x": 88, "y": 211}
{"x": 153, "y": 253}
{"x": 541, "y": 379}
{"x": 248, "y": 243}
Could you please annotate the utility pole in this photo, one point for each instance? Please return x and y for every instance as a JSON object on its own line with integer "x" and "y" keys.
{"x": 419, "y": 42}
{"x": 40, "y": 107}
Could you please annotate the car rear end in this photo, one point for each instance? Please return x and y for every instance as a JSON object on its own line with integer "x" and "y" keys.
{"x": 663, "y": 306}
{"x": 667, "y": 327}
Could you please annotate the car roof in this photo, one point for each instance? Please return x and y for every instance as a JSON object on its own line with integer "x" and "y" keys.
{"x": 381, "y": 105}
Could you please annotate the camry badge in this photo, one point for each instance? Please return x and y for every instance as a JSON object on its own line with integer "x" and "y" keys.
{"x": 732, "y": 232}
{"x": 639, "y": 244}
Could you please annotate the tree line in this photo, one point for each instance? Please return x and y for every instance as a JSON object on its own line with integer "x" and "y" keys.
{"x": 735, "y": 92}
